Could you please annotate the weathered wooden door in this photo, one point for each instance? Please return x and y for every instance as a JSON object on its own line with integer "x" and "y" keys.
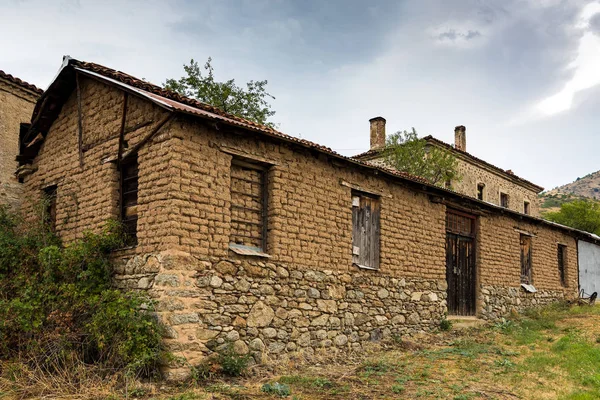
{"x": 460, "y": 262}
{"x": 526, "y": 259}
{"x": 365, "y": 230}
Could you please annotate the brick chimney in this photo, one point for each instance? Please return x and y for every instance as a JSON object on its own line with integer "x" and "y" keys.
{"x": 377, "y": 133}
{"x": 460, "y": 138}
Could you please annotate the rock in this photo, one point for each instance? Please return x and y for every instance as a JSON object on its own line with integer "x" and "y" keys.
{"x": 381, "y": 319}
{"x": 340, "y": 340}
{"x": 414, "y": 318}
{"x": 166, "y": 280}
{"x": 416, "y": 296}
{"x": 239, "y": 347}
{"x": 383, "y": 293}
{"x": 320, "y": 320}
{"x": 242, "y": 285}
{"x": 215, "y": 281}
{"x": 260, "y": 315}
{"x": 282, "y": 272}
{"x": 314, "y": 293}
{"x": 321, "y": 334}
{"x": 304, "y": 339}
{"x": 255, "y": 270}
{"x": 257, "y": 345}
{"x": 291, "y": 346}
{"x": 328, "y": 306}
{"x": 276, "y": 347}
{"x": 178, "y": 319}
{"x": 232, "y": 336}
{"x": 239, "y": 322}
{"x": 269, "y": 333}
{"x": 337, "y": 291}
{"x": 206, "y": 334}
{"x": 398, "y": 319}
{"x": 281, "y": 313}
{"x": 144, "y": 283}
{"x": 225, "y": 268}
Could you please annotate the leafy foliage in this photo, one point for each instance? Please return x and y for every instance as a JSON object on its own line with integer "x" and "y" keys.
{"x": 56, "y": 301}
{"x": 406, "y": 152}
{"x": 578, "y": 214}
{"x": 250, "y": 103}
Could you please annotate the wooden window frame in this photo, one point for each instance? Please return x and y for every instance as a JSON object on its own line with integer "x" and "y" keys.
{"x": 375, "y": 219}
{"x": 526, "y": 273}
{"x": 50, "y": 207}
{"x": 131, "y": 236}
{"x": 481, "y": 186}
{"x": 562, "y": 263}
{"x": 526, "y": 207}
{"x": 263, "y": 169}
{"x": 504, "y": 194}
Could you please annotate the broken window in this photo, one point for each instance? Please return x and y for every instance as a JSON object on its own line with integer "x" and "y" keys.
{"x": 480, "y": 187}
{"x": 504, "y": 200}
{"x": 49, "y": 216}
{"x": 365, "y": 230}
{"x": 248, "y": 205}
{"x": 562, "y": 262}
{"x": 129, "y": 199}
{"x": 526, "y": 259}
{"x": 526, "y": 207}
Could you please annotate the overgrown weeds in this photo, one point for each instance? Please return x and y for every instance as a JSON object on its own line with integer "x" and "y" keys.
{"x": 59, "y": 314}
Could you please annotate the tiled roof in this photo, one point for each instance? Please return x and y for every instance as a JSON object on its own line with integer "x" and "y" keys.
{"x": 508, "y": 173}
{"x": 20, "y": 82}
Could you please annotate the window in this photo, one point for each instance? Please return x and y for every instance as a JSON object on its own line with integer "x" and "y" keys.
{"x": 49, "y": 216}
{"x": 248, "y": 206}
{"x": 129, "y": 200}
{"x": 562, "y": 262}
{"x": 503, "y": 200}
{"x": 526, "y": 259}
{"x": 480, "y": 187}
{"x": 526, "y": 207}
{"x": 365, "y": 230}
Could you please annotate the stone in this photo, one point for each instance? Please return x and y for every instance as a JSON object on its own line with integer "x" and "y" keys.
{"x": 313, "y": 293}
{"x": 303, "y": 340}
{"x": 337, "y": 291}
{"x": 206, "y": 334}
{"x": 281, "y": 313}
{"x": 166, "y": 280}
{"x": 320, "y": 320}
{"x": 239, "y": 347}
{"x": 225, "y": 268}
{"x": 232, "y": 336}
{"x": 340, "y": 340}
{"x": 381, "y": 319}
{"x": 276, "y": 347}
{"x": 328, "y": 306}
{"x": 414, "y": 318}
{"x": 383, "y": 293}
{"x": 282, "y": 272}
{"x": 257, "y": 345}
{"x": 179, "y": 319}
{"x": 269, "y": 333}
{"x": 215, "y": 281}
{"x": 416, "y": 296}
{"x": 398, "y": 319}
{"x": 242, "y": 285}
{"x": 239, "y": 322}
{"x": 260, "y": 315}
{"x": 144, "y": 283}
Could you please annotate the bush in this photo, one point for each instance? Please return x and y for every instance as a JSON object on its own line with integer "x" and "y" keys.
{"x": 445, "y": 325}
{"x": 232, "y": 364}
{"x": 56, "y": 302}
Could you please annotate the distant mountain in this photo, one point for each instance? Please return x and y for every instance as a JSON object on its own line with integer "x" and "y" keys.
{"x": 587, "y": 187}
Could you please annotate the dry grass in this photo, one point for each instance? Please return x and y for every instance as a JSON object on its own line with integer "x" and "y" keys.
{"x": 553, "y": 354}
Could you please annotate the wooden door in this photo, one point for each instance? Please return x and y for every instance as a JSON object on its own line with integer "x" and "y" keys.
{"x": 526, "y": 259}
{"x": 365, "y": 230}
{"x": 460, "y": 263}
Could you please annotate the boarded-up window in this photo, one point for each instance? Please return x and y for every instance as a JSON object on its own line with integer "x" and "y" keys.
{"x": 365, "y": 230}
{"x": 129, "y": 200}
{"x": 526, "y": 207}
{"x": 562, "y": 263}
{"x": 50, "y": 207}
{"x": 504, "y": 200}
{"x": 526, "y": 259}
{"x": 248, "y": 205}
{"x": 480, "y": 188}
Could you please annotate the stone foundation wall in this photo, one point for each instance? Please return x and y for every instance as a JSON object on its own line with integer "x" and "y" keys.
{"x": 498, "y": 301}
{"x": 265, "y": 308}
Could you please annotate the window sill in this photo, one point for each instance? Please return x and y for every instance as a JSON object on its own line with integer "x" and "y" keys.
{"x": 528, "y": 288}
{"x": 365, "y": 267}
{"x": 247, "y": 250}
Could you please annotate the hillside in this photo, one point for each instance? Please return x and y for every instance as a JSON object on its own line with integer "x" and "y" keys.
{"x": 587, "y": 187}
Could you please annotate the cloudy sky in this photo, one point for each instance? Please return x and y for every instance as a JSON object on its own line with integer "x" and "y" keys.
{"x": 522, "y": 75}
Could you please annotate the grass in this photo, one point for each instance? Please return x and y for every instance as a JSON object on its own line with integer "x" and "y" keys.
{"x": 549, "y": 353}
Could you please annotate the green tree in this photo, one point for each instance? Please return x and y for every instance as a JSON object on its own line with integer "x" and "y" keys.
{"x": 406, "y": 152}
{"x": 578, "y": 214}
{"x": 250, "y": 103}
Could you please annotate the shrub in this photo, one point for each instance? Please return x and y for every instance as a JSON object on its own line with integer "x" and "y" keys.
{"x": 445, "y": 325}
{"x": 56, "y": 302}
{"x": 232, "y": 364}
{"x": 277, "y": 389}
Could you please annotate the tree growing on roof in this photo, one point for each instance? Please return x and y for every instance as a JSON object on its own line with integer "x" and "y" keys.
{"x": 250, "y": 103}
{"x": 405, "y": 151}
{"x": 578, "y": 214}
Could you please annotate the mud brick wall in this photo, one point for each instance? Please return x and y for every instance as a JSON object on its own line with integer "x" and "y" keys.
{"x": 306, "y": 295}
{"x": 16, "y": 106}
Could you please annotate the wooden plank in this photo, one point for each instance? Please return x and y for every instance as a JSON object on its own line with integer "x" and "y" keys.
{"x": 122, "y": 131}
{"x": 79, "y": 120}
{"x": 146, "y": 139}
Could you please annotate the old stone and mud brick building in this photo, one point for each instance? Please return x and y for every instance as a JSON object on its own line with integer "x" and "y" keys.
{"x": 479, "y": 179}
{"x": 17, "y": 99}
{"x": 273, "y": 244}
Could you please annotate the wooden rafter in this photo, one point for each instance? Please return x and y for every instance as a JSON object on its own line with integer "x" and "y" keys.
{"x": 79, "y": 120}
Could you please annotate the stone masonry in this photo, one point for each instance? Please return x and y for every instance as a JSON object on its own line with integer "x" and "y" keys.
{"x": 301, "y": 292}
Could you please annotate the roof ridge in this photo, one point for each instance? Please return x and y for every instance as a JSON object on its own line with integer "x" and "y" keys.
{"x": 20, "y": 82}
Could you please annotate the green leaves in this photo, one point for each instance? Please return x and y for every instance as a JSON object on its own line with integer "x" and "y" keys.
{"x": 578, "y": 214}
{"x": 405, "y": 152}
{"x": 250, "y": 103}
